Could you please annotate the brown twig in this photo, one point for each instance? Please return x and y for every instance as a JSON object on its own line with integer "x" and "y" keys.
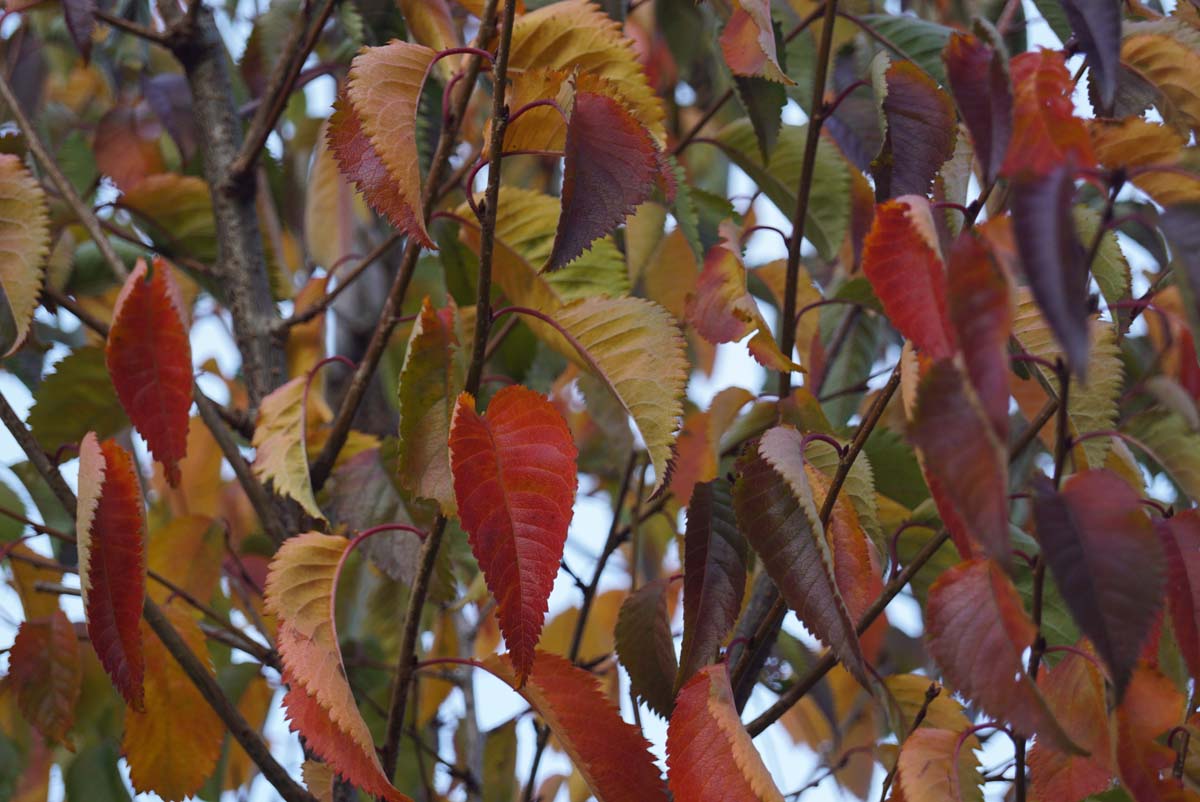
{"x": 302, "y": 317}
{"x": 405, "y": 663}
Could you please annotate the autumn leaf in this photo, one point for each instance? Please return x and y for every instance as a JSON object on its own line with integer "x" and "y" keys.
{"x": 938, "y": 765}
{"x": 281, "y": 449}
{"x": 384, "y": 90}
{"x": 978, "y": 295}
{"x": 126, "y": 144}
{"x": 432, "y": 376}
{"x": 332, "y": 209}
{"x": 1052, "y": 257}
{"x": 1046, "y": 133}
{"x": 1075, "y": 691}
{"x": 777, "y": 513}
{"x": 919, "y": 132}
{"x": 110, "y": 527}
{"x": 645, "y": 646}
{"x": 612, "y": 755}
{"x": 978, "y": 78}
{"x": 1136, "y": 143}
{"x": 722, "y": 309}
{"x": 174, "y": 744}
{"x": 977, "y": 631}
{"x": 709, "y": 753}
{"x": 1167, "y": 55}
{"x": 963, "y": 456}
{"x": 1097, "y": 27}
{"x": 611, "y": 165}
{"x": 902, "y": 260}
{"x": 149, "y": 358}
{"x": 46, "y": 674}
{"x": 25, "y": 240}
{"x": 748, "y": 42}
{"x": 578, "y": 35}
{"x": 1094, "y": 533}
{"x": 515, "y": 480}
{"x": 714, "y": 576}
{"x": 1152, "y": 706}
{"x": 1180, "y": 536}
{"x": 320, "y": 704}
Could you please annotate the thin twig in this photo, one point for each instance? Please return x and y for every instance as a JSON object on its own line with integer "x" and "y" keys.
{"x": 81, "y": 210}
{"x": 304, "y": 316}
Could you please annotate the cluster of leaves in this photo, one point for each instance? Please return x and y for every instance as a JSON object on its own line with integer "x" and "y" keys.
{"x": 963, "y": 212}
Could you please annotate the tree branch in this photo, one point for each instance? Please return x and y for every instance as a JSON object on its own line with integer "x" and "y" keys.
{"x": 82, "y": 211}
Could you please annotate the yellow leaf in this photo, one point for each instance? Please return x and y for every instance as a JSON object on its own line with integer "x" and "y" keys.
{"x": 432, "y": 690}
{"x": 578, "y": 35}
{"x": 1169, "y": 59}
{"x": 332, "y": 208}
{"x": 597, "y": 636}
{"x": 306, "y": 342}
{"x": 174, "y": 745}
{"x": 200, "y": 486}
{"x": 281, "y": 451}
{"x": 25, "y": 577}
{"x": 430, "y": 24}
{"x": 24, "y": 245}
{"x": 1135, "y": 142}
{"x": 179, "y": 209}
{"x": 188, "y": 551}
{"x": 254, "y": 705}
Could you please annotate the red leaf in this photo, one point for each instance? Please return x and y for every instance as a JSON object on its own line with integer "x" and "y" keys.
{"x": 46, "y": 674}
{"x": 126, "y": 145}
{"x": 977, "y": 632}
{"x": 777, "y": 513}
{"x": 714, "y": 576}
{"x": 645, "y": 646}
{"x": 1181, "y": 541}
{"x": 110, "y": 527}
{"x": 920, "y": 132}
{"x": 333, "y": 746}
{"x": 361, "y": 164}
{"x": 1074, "y": 689}
{"x": 981, "y": 314}
{"x": 149, "y": 358}
{"x": 963, "y": 457}
{"x": 1052, "y": 257}
{"x": 611, "y": 754}
{"x": 610, "y": 168}
{"x": 1095, "y": 536}
{"x": 1046, "y": 132}
{"x": 978, "y": 78}
{"x": 901, "y": 260}
{"x": 709, "y": 753}
{"x": 515, "y": 479}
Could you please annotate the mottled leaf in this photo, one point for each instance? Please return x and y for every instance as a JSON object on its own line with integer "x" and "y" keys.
{"x": 1046, "y": 133}
{"x": 44, "y": 669}
{"x": 748, "y": 41}
{"x": 1075, "y": 691}
{"x": 778, "y": 515}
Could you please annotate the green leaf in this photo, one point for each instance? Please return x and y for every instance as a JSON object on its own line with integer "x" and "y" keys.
{"x": 1109, "y": 267}
{"x": 828, "y": 216}
{"x": 76, "y": 398}
{"x": 500, "y": 762}
{"x": 93, "y": 775}
{"x": 921, "y": 41}
{"x": 1173, "y": 445}
{"x": 10, "y": 529}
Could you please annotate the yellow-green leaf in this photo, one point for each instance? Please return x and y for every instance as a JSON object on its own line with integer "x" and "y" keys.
{"x": 282, "y": 450}
{"x": 24, "y": 244}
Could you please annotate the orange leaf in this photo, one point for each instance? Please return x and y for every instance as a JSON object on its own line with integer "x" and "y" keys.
{"x": 173, "y": 746}
{"x": 126, "y": 145}
{"x": 611, "y": 165}
{"x": 515, "y": 479}
{"x": 110, "y": 526}
{"x": 1074, "y": 689}
{"x": 45, "y": 670}
{"x": 300, "y": 592}
{"x": 748, "y": 42}
{"x": 722, "y": 309}
{"x": 929, "y": 771}
{"x": 709, "y": 753}
{"x": 977, "y": 632}
{"x": 902, "y": 262}
{"x": 1046, "y": 132}
{"x": 1152, "y": 706}
{"x": 149, "y": 358}
{"x": 611, "y": 754}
